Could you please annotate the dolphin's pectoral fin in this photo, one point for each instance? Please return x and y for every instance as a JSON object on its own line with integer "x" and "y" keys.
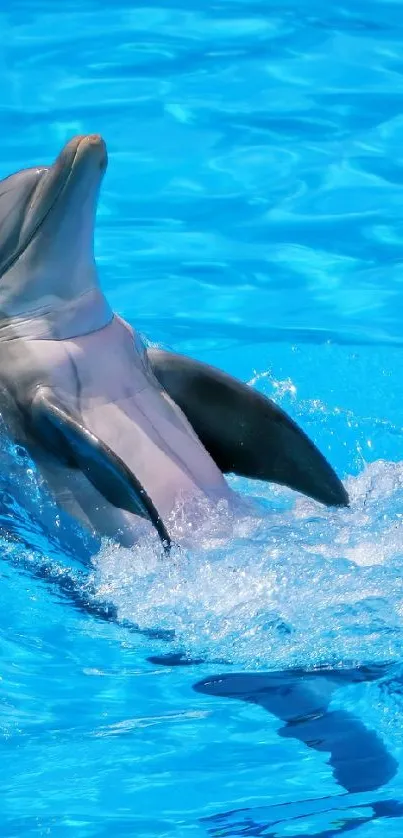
{"x": 244, "y": 431}
{"x": 75, "y": 445}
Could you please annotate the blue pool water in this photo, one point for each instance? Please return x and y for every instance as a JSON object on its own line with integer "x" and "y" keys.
{"x": 251, "y": 216}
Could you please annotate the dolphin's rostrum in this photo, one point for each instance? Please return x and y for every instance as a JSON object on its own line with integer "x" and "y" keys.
{"x": 119, "y": 433}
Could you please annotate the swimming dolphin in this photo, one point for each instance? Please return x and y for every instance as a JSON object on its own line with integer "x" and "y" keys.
{"x": 118, "y": 432}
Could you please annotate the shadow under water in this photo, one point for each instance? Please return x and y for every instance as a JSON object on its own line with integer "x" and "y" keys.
{"x": 336, "y": 819}
{"x": 359, "y": 759}
{"x": 300, "y": 698}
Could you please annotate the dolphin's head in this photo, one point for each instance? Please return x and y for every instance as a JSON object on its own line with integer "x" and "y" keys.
{"x": 47, "y": 217}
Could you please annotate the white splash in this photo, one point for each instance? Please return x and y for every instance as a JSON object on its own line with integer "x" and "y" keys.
{"x": 296, "y": 584}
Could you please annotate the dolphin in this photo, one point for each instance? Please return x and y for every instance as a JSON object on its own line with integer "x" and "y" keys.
{"x": 120, "y": 433}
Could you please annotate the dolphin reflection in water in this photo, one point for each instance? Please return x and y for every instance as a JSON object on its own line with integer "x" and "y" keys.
{"x": 300, "y": 698}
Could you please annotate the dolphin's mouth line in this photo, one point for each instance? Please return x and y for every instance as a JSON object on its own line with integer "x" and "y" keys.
{"x": 63, "y": 184}
{"x": 5, "y": 191}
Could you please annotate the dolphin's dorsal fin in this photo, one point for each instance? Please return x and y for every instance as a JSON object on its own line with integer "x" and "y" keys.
{"x": 74, "y": 444}
{"x": 245, "y": 432}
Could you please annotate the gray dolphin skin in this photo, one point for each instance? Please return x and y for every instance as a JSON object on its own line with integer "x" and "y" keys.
{"x": 120, "y": 434}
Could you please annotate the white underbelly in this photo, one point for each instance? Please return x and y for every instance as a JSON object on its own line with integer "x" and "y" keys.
{"x": 158, "y": 445}
{"x": 155, "y": 441}
{"x": 103, "y": 380}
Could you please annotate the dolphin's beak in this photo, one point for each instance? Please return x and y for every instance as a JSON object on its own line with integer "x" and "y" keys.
{"x": 83, "y": 159}
{"x": 80, "y": 152}
{"x": 82, "y": 147}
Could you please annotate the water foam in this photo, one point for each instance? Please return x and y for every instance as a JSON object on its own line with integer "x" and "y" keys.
{"x": 294, "y": 584}
{"x": 288, "y": 582}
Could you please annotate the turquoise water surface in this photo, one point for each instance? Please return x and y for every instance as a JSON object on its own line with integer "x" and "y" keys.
{"x": 251, "y": 216}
